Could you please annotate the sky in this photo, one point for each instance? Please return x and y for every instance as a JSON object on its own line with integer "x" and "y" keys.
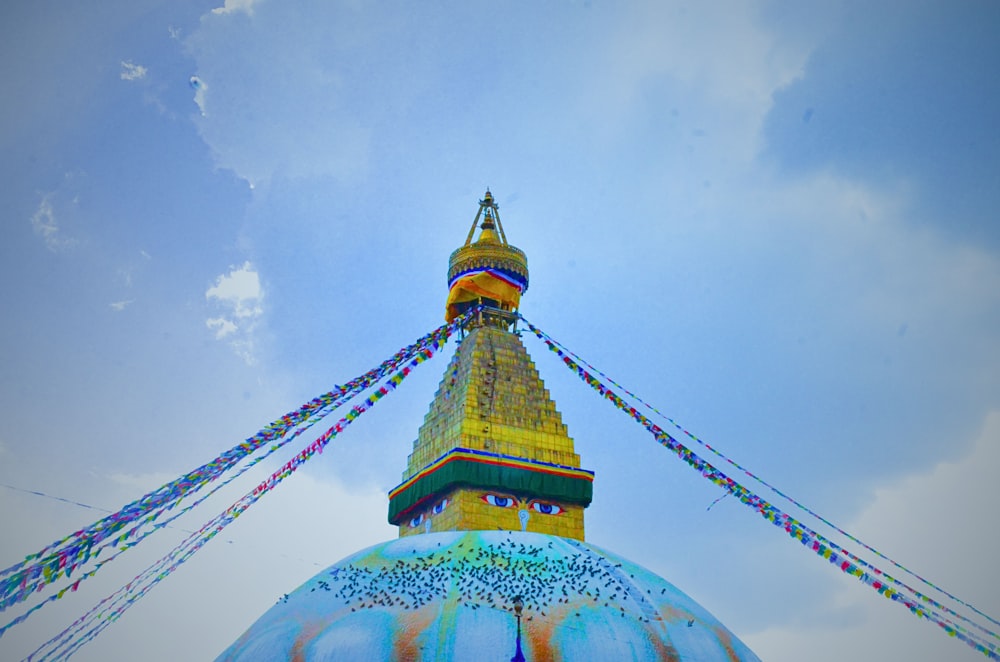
{"x": 774, "y": 221}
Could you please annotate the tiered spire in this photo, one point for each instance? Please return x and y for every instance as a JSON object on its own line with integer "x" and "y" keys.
{"x": 493, "y": 452}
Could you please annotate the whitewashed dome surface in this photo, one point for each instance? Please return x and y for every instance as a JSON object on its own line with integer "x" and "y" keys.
{"x": 450, "y": 595}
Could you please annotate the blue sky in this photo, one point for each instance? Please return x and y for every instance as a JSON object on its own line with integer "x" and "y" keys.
{"x": 775, "y": 221}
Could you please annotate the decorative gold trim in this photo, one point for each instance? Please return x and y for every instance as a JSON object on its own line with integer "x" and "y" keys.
{"x": 477, "y": 256}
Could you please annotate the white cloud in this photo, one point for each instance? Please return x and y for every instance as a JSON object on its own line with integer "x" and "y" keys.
{"x": 132, "y": 71}
{"x": 240, "y": 290}
{"x": 939, "y": 523}
{"x": 233, "y": 6}
{"x": 119, "y": 306}
{"x": 240, "y": 296}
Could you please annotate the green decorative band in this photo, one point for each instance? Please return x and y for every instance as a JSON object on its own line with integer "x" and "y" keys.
{"x": 517, "y": 475}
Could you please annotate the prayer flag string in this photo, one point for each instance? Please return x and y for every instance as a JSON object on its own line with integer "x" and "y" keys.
{"x": 111, "y": 608}
{"x": 73, "y": 552}
{"x": 124, "y": 545}
{"x": 845, "y": 560}
{"x": 127, "y": 596}
{"x": 766, "y": 484}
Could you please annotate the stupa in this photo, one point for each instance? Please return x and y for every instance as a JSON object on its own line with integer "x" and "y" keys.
{"x": 491, "y": 563}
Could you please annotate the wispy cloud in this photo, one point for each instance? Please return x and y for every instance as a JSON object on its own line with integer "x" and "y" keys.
{"x": 119, "y": 306}
{"x": 132, "y": 71}
{"x": 239, "y": 295}
{"x": 47, "y": 227}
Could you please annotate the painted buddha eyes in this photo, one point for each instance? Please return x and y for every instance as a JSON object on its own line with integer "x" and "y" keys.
{"x": 546, "y": 508}
{"x": 436, "y": 510}
{"x": 500, "y": 501}
{"x": 543, "y": 507}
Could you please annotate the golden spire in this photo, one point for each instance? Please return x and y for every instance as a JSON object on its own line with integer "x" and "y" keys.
{"x": 493, "y": 451}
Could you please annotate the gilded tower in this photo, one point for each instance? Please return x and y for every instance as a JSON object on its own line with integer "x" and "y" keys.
{"x": 493, "y": 452}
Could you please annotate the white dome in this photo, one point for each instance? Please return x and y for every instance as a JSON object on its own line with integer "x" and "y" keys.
{"x": 450, "y": 595}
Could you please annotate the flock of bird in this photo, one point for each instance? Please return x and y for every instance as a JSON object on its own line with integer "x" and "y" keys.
{"x": 478, "y": 574}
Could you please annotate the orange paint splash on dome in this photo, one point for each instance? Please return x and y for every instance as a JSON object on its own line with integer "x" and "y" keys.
{"x": 411, "y": 626}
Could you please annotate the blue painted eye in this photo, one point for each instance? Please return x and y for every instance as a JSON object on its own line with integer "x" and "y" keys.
{"x": 546, "y": 508}
{"x": 415, "y": 522}
{"x": 440, "y": 506}
{"x": 500, "y": 501}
